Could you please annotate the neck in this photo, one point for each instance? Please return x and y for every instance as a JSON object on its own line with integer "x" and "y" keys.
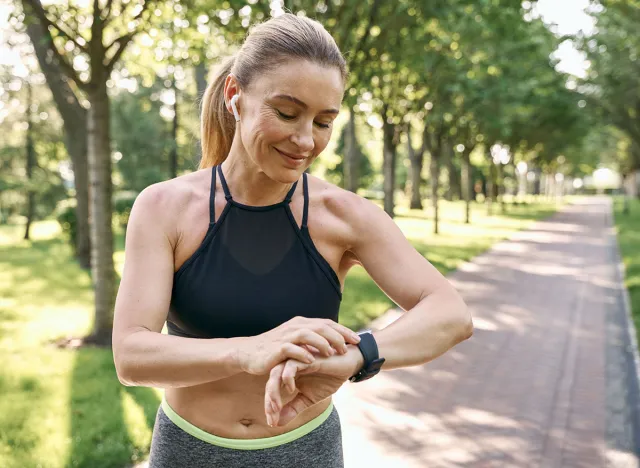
{"x": 248, "y": 183}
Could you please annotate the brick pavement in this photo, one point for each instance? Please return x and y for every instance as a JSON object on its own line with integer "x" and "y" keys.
{"x": 529, "y": 388}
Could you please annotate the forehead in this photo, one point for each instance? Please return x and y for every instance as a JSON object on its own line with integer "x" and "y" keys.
{"x": 317, "y": 86}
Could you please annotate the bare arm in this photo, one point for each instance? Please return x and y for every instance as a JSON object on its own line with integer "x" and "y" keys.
{"x": 436, "y": 319}
{"x": 143, "y": 355}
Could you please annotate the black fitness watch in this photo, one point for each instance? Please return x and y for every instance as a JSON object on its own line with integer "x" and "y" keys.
{"x": 372, "y": 362}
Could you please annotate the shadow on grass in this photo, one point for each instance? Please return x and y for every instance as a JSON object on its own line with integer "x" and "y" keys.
{"x": 109, "y": 425}
{"x": 104, "y": 414}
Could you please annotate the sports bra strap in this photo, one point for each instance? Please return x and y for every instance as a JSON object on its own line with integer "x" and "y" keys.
{"x": 287, "y": 199}
{"x": 306, "y": 200}
{"x": 227, "y": 194}
{"x": 212, "y": 198}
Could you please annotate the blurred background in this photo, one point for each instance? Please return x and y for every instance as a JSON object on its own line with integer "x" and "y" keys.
{"x": 467, "y": 121}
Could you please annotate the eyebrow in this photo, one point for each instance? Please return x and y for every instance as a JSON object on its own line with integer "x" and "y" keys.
{"x": 302, "y": 104}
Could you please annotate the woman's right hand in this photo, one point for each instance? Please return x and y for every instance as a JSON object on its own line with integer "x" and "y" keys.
{"x": 259, "y": 354}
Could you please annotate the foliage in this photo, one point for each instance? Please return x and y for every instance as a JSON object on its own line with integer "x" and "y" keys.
{"x": 141, "y": 137}
{"x": 66, "y": 217}
{"x": 122, "y": 205}
{"x": 612, "y": 84}
{"x": 365, "y": 170}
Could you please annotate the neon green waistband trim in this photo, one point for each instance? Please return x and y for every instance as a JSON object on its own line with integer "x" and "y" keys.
{"x": 245, "y": 444}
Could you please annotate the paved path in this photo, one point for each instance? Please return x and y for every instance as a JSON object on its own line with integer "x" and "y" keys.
{"x": 544, "y": 382}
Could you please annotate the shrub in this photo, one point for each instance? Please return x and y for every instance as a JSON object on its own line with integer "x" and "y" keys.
{"x": 122, "y": 204}
{"x": 66, "y": 215}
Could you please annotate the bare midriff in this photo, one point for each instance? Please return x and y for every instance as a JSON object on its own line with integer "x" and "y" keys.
{"x": 234, "y": 407}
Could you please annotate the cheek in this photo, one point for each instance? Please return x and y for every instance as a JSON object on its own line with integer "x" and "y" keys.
{"x": 321, "y": 140}
{"x": 267, "y": 130}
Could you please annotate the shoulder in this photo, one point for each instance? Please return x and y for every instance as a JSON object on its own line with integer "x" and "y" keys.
{"x": 164, "y": 203}
{"x": 354, "y": 214}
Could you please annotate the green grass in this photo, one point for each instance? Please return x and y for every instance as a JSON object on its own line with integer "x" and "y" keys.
{"x": 59, "y": 407}
{"x": 628, "y": 227}
{"x": 65, "y": 408}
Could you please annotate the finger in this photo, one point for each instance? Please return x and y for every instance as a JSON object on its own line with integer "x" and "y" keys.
{"x": 272, "y": 398}
{"x": 311, "y": 349}
{"x": 294, "y": 408}
{"x": 292, "y": 351}
{"x": 349, "y": 335}
{"x": 289, "y": 374}
{"x": 315, "y": 339}
{"x": 336, "y": 339}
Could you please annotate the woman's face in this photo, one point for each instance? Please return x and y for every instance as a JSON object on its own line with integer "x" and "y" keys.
{"x": 286, "y": 116}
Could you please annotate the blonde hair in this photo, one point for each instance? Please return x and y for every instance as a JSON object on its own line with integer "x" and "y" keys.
{"x": 268, "y": 45}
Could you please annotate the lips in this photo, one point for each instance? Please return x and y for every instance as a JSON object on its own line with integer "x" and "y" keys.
{"x": 290, "y": 155}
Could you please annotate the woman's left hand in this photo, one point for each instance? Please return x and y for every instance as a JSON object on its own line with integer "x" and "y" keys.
{"x": 304, "y": 385}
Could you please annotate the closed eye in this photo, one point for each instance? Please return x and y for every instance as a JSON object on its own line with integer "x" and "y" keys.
{"x": 291, "y": 117}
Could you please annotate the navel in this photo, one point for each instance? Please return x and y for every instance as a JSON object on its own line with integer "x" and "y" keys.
{"x": 247, "y": 422}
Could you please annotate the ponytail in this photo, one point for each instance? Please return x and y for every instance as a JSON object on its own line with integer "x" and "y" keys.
{"x": 217, "y": 125}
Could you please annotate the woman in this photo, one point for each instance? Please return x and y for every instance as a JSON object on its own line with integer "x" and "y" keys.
{"x": 251, "y": 296}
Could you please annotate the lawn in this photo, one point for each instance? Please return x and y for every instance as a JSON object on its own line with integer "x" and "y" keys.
{"x": 628, "y": 227}
{"x": 65, "y": 408}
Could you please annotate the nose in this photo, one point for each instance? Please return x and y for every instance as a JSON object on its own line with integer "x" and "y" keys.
{"x": 303, "y": 137}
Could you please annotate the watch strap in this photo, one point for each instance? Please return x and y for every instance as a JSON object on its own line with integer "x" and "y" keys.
{"x": 372, "y": 362}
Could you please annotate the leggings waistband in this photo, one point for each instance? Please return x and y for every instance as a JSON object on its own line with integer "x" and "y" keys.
{"x": 245, "y": 444}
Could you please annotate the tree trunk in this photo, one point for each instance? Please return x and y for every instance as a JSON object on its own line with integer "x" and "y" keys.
{"x": 467, "y": 183}
{"x": 31, "y": 162}
{"x": 389, "y": 163}
{"x": 103, "y": 274}
{"x": 351, "y": 155}
{"x": 500, "y": 187}
{"x": 78, "y": 150}
{"x": 173, "y": 156}
{"x": 492, "y": 185}
{"x": 416, "y": 159}
{"x": 74, "y": 118}
{"x": 630, "y": 185}
{"x": 434, "y": 170}
{"x": 452, "y": 174}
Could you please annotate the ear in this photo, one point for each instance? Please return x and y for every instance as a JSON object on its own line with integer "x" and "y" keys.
{"x": 231, "y": 88}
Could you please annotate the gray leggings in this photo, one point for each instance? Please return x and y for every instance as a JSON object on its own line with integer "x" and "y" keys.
{"x": 176, "y": 443}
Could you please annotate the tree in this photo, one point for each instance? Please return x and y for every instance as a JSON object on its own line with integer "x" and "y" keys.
{"x": 88, "y": 63}
{"x": 612, "y": 84}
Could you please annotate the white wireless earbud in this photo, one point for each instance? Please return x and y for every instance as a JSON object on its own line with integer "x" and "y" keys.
{"x": 233, "y": 106}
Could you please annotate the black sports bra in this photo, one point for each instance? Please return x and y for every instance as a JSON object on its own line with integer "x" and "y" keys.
{"x": 254, "y": 270}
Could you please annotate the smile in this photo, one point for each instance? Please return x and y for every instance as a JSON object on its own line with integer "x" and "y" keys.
{"x": 291, "y": 160}
{"x": 295, "y": 158}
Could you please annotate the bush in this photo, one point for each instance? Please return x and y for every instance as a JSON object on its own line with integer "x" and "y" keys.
{"x": 66, "y": 215}
{"x": 122, "y": 204}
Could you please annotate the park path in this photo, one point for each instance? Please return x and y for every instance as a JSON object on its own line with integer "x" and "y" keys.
{"x": 548, "y": 379}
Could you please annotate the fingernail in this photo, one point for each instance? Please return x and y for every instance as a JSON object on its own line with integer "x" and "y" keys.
{"x": 356, "y": 337}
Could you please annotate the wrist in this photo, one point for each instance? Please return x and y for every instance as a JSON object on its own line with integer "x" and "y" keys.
{"x": 356, "y": 358}
{"x": 237, "y": 356}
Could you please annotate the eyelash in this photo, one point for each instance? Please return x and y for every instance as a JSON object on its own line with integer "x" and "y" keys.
{"x": 291, "y": 117}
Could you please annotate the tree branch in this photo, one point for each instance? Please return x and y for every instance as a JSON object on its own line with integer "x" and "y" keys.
{"x": 123, "y": 41}
{"x": 57, "y": 25}
{"x": 372, "y": 17}
{"x": 107, "y": 10}
{"x": 36, "y": 8}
